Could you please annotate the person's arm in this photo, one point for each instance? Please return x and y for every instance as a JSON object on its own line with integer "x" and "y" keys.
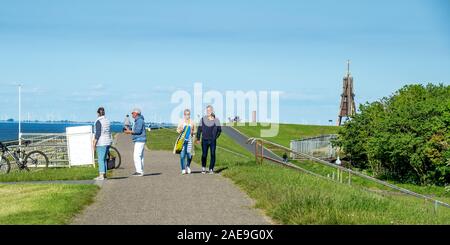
{"x": 98, "y": 132}
{"x": 180, "y": 127}
{"x": 199, "y": 130}
{"x": 193, "y": 129}
{"x": 219, "y": 128}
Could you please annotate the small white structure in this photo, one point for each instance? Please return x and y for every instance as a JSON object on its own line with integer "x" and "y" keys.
{"x": 79, "y": 145}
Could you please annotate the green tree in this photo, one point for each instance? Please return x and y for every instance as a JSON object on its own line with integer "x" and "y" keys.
{"x": 405, "y": 136}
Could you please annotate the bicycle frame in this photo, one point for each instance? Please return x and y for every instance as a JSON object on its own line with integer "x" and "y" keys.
{"x": 14, "y": 154}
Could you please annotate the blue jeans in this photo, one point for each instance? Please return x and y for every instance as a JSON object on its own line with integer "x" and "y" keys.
{"x": 206, "y": 144}
{"x": 185, "y": 154}
{"x": 102, "y": 153}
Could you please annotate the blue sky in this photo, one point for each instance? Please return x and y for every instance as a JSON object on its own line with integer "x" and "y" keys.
{"x": 73, "y": 56}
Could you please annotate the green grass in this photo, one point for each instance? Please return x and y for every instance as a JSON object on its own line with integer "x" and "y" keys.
{"x": 292, "y": 197}
{"x": 438, "y": 192}
{"x": 162, "y": 139}
{"x": 288, "y": 132}
{"x": 43, "y": 204}
{"x": 62, "y": 173}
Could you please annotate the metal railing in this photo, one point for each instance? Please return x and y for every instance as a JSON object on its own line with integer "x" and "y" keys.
{"x": 319, "y": 146}
{"x": 259, "y": 157}
{"x": 54, "y": 145}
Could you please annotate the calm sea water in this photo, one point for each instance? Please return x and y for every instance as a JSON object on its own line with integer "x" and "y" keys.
{"x": 9, "y": 130}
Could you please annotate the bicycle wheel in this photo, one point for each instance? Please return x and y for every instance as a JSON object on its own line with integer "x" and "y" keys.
{"x": 114, "y": 153}
{"x": 5, "y": 167}
{"x": 36, "y": 158}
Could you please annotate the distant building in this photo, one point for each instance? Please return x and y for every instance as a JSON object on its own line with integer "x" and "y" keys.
{"x": 254, "y": 116}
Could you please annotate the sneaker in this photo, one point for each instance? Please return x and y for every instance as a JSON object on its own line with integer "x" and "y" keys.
{"x": 203, "y": 170}
{"x": 138, "y": 174}
{"x": 211, "y": 171}
{"x": 188, "y": 170}
{"x": 183, "y": 172}
{"x": 100, "y": 178}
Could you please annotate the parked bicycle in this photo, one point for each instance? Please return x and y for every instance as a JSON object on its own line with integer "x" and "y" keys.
{"x": 20, "y": 157}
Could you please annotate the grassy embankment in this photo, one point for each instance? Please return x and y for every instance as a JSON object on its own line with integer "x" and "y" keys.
{"x": 43, "y": 203}
{"x": 288, "y": 132}
{"x": 42, "y": 174}
{"x": 291, "y": 197}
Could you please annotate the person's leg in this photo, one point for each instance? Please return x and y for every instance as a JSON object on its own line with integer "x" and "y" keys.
{"x": 189, "y": 159}
{"x": 101, "y": 156}
{"x": 106, "y": 158}
{"x": 142, "y": 147}
{"x": 139, "y": 157}
{"x": 213, "y": 155}
{"x": 183, "y": 154}
{"x": 205, "y": 145}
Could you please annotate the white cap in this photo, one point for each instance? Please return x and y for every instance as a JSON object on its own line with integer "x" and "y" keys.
{"x": 136, "y": 110}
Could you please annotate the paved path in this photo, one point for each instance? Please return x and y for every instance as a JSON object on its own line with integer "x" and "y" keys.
{"x": 163, "y": 196}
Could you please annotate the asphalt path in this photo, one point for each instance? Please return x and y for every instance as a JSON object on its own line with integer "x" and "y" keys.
{"x": 164, "y": 196}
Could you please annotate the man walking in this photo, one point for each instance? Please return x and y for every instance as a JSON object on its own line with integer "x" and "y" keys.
{"x": 126, "y": 123}
{"x": 139, "y": 138}
{"x": 210, "y": 129}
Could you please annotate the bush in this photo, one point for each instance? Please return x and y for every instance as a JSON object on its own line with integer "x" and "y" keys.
{"x": 404, "y": 137}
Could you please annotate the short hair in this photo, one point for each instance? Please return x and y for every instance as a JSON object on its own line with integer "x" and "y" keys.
{"x": 101, "y": 111}
{"x": 210, "y": 106}
{"x": 186, "y": 110}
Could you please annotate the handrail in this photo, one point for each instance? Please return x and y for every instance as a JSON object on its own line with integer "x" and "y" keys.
{"x": 350, "y": 171}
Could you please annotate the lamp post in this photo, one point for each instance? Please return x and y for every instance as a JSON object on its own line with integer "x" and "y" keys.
{"x": 20, "y": 114}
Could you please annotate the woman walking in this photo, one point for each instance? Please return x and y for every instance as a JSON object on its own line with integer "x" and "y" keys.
{"x": 184, "y": 145}
{"x": 102, "y": 141}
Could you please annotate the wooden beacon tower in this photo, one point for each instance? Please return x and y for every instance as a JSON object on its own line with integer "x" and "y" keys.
{"x": 347, "y": 107}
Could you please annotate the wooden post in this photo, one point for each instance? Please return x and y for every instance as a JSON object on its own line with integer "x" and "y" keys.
{"x": 349, "y": 178}
{"x": 256, "y": 151}
{"x": 262, "y": 152}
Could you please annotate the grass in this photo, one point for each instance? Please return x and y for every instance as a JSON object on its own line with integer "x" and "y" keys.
{"x": 288, "y": 132}
{"x": 40, "y": 174}
{"x": 438, "y": 192}
{"x": 43, "y": 204}
{"x": 164, "y": 139}
{"x": 292, "y": 197}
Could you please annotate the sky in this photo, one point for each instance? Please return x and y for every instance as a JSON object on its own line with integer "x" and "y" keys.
{"x": 74, "y": 56}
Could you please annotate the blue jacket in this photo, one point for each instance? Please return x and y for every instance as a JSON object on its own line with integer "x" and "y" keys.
{"x": 139, "y": 134}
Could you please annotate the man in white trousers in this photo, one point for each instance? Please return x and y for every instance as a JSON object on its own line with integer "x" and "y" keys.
{"x": 139, "y": 137}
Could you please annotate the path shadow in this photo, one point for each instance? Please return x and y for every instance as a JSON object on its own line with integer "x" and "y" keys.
{"x": 220, "y": 170}
{"x": 196, "y": 172}
{"x": 215, "y": 171}
{"x": 152, "y": 174}
{"x": 120, "y": 177}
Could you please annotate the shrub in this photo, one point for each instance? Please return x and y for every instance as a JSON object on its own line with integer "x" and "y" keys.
{"x": 405, "y": 136}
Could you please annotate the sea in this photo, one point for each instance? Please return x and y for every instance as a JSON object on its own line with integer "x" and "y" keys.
{"x": 9, "y": 131}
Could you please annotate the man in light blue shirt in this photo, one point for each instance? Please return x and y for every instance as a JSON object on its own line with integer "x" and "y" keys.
{"x": 139, "y": 137}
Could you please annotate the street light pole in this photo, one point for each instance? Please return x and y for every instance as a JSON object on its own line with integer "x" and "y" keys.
{"x": 20, "y": 115}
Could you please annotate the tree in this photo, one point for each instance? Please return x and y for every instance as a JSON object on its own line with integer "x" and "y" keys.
{"x": 405, "y": 136}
